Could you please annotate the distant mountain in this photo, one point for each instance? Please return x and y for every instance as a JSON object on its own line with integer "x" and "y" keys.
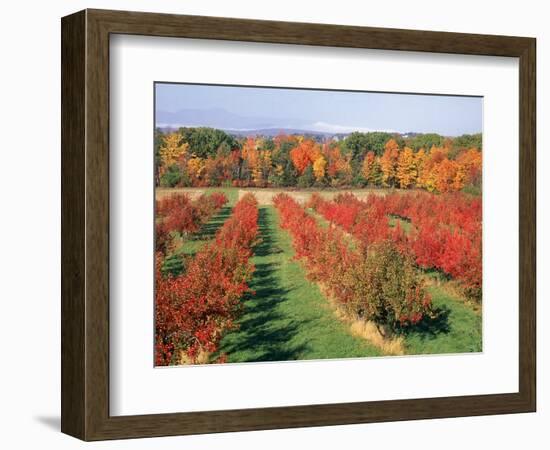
{"x": 268, "y": 132}
{"x": 238, "y": 125}
{"x": 272, "y": 132}
{"x": 220, "y": 118}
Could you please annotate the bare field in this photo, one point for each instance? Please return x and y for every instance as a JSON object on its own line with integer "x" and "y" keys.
{"x": 163, "y": 192}
{"x": 265, "y": 195}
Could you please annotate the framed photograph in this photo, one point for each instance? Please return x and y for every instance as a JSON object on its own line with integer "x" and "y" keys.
{"x": 273, "y": 225}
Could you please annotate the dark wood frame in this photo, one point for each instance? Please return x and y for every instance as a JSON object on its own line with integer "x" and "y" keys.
{"x": 85, "y": 224}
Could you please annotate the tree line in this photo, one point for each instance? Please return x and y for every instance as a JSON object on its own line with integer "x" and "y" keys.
{"x": 211, "y": 157}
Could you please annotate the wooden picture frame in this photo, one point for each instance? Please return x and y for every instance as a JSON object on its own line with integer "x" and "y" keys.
{"x": 85, "y": 224}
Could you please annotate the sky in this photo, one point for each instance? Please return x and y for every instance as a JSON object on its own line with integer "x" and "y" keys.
{"x": 247, "y": 108}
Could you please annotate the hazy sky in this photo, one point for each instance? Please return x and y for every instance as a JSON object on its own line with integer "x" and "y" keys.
{"x": 316, "y": 110}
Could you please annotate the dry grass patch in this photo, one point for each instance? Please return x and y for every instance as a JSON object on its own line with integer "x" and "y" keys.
{"x": 160, "y": 192}
{"x": 453, "y": 289}
{"x": 369, "y": 331}
{"x": 202, "y": 358}
{"x": 265, "y": 195}
{"x": 365, "y": 329}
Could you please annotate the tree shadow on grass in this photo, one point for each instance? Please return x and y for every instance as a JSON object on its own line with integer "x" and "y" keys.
{"x": 267, "y": 245}
{"x": 264, "y": 333}
{"x": 431, "y": 326}
{"x": 208, "y": 230}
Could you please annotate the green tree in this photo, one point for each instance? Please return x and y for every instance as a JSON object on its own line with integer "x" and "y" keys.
{"x": 281, "y": 158}
{"x": 204, "y": 142}
{"x": 307, "y": 179}
{"x": 358, "y": 143}
{"x": 268, "y": 144}
{"x": 158, "y": 140}
{"x": 468, "y": 141}
{"x": 171, "y": 177}
{"x": 426, "y": 141}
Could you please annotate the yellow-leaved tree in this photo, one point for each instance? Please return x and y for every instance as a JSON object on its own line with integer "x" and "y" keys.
{"x": 429, "y": 177}
{"x": 470, "y": 162}
{"x": 195, "y": 169}
{"x": 371, "y": 169}
{"x": 172, "y": 149}
{"x": 319, "y": 166}
{"x": 388, "y": 162}
{"x": 406, "y": 168}
{"x": 420, "y": 161}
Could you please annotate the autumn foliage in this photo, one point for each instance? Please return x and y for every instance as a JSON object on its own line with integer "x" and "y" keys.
{"x": 366, "y": 221}
{"x": 445, "y": 230}
{"x": 208, "y": 157}
{"x": 178, "y": 213}
{"x": 433, "y": 170}
{"x": 195, "y": 309}
{"x": 446, "y": 234}
{"x": 378, "y": 283}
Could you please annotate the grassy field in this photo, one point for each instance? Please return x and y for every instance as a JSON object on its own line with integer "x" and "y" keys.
{"x": 288, "y": 318}
{"x": 404, "y": 224}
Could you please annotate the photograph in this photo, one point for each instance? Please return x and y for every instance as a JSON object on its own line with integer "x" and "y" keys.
{"x": 297, "y": 224}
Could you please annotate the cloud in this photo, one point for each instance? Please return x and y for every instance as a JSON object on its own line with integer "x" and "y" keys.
{"x": 334, "y": 128}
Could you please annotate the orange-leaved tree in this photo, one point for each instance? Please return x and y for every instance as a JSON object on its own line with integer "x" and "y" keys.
{"x": 304, "y": 154}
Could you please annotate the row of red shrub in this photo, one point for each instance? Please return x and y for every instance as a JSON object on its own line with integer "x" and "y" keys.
{"x": 193, "y": 310}
{"x": 178, "y": 213}
{"x": 445, "y": 232}
{"x": 377, "y": 283}
{"x": 367, "y": 221}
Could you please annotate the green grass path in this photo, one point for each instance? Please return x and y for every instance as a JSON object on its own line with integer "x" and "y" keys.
{"x": 288, "y": 318}
{"x": 206, "y": 233}
{"x": 209, "y": 229}
{"x": 190, "y": 245}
